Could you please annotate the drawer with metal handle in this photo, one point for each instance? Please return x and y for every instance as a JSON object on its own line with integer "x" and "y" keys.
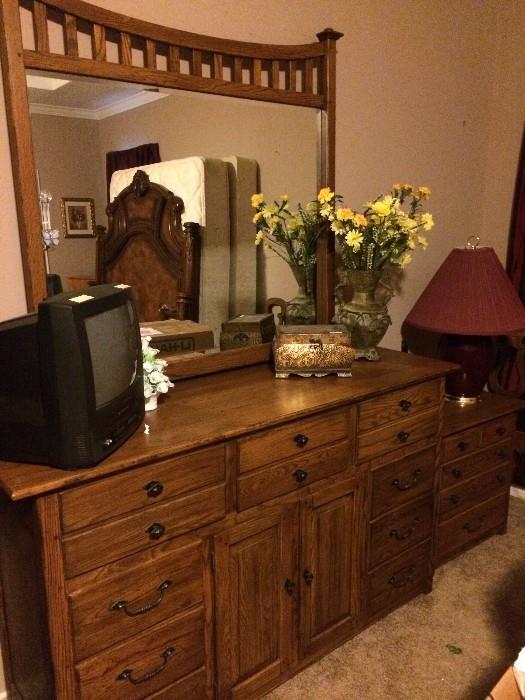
{"x": 398, "y": 404}
{"x": 462, "y": 469}
{"x": 420, "y": 427}
{"x": 460, "y": 497}
{"x": 115, "y": 607}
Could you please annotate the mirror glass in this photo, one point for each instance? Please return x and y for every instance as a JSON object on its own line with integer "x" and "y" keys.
{"x": 77, "y": 120}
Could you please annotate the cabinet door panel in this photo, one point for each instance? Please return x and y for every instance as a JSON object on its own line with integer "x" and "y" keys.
{"x": 328, "y": 572}
{"x": 255, "y": 610}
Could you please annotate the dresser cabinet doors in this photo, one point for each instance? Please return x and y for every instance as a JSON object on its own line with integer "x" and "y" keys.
{"x": 256, "y": 594}
{"x": 328, "y": 571}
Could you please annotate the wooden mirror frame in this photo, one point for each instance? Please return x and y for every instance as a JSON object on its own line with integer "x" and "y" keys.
{"x": 245, "y": 62}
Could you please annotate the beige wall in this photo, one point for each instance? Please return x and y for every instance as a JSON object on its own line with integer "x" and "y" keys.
{"x": 429, "y": 91}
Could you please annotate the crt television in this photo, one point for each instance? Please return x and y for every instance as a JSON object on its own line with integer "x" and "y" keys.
{"x": 71, "y": 385}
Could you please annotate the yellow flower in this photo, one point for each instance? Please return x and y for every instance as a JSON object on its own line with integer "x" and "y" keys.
{"x": 257, "y": 200}
{"x": 337, "y": 227}
{"x": 360, "y": 220}
{"x": 284, "y": 197}
{"x": 353, "y": 239}
{"x": 427, "y": 221}
{"x": 408, "y": 188}
{"x": 326, "y": 212}
{"x": 382, "y": 207}
{"x": 344, "y": 214}
{"x": 424, "y": 192}
{"x": 396, "y": 186}
{"x": 312, "y": 207}
{"x": 259, "y": 237}
{"x": 422, "y": 242}
{"x": 257, "y": 216}
{"x": 325, "y": 195}
{"x": 408, "y": 224}
{"x": 405, "y": 259}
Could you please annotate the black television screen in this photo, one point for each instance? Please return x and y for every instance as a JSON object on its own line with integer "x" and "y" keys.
{"x": 71, "y": 387}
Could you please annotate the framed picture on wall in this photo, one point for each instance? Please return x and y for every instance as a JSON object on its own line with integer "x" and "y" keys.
{"x": 78, "y": 217}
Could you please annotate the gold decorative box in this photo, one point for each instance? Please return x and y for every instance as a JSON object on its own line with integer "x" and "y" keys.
{"x": 312, "y": 350}
{"x": 247, "y": 329}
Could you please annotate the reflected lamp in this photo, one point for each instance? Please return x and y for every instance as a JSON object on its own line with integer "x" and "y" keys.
{"x": 469, "y": 301}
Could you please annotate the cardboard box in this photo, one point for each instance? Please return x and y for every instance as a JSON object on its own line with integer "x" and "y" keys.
{"x": 247, "y": 329}
{"x": 174, "y": 336}
{"x": 506, "y": 688}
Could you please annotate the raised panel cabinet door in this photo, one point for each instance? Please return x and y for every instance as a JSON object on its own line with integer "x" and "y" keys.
{"x": 329, "y": 567}
{"x": 256, "y": 599}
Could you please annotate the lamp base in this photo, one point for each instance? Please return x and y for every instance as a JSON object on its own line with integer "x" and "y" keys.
{"x": 476, "y": 355}
{"x": 463, "y": 400}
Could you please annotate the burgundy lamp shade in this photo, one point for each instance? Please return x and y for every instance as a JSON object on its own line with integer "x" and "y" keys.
{"x": 469, "y": 299}
{"x": 470, "y": 294}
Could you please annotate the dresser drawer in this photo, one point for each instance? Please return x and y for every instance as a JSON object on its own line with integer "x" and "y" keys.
{"x": 147, "y": 663}
{"x": 139, "y": 488}
{"x": 462, "y": 469}
{"x": 291, "y": 474}
{"x": 395, "y": 581}
{"x": 292, "y": 440}
{"x": 401, "y": 481}
{"x": 117, "y": 607}
{"x": 398, "y": 530}
{"x": 118, "y": 538}
{"x": 398, "y": 404}
{"x": 460, "y": 532}
{"x": 460, "y": 497}
{"x": 461, "y": 444}
{"x": 498, "y": 429}
{"x": 191, "y": 687}
{"x": 398, "y": 434}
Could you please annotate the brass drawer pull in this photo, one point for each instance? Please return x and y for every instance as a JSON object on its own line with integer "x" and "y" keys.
{"x": 405, "y": 405}
{"x": 410, "y": 531}
{"x": 300, "y": 440}
{"x": 123, "y": 604}
{"x": 474, "y": 528}
{"x": 404, "y": 578}
{"x": 501, "y": 478}
{"x": 300, "y": 475}
{"x": 457, "y": 473}
{"x": 455, "y": 499}
{"x": 127, "y": 674}
{"x": 463, "y": 445}
{"x": 154, "y": 489}
{"x": 308, "y": 577}
{"x": 155, "y": 531}
{"x": 402, "y": 436}
{"x": 407, "y": 484}
{"x": 501, "y": 430}
{"x": 289, "y": 586}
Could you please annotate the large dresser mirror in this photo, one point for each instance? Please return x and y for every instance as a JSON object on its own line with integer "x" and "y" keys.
{"x": 284, "y": 115}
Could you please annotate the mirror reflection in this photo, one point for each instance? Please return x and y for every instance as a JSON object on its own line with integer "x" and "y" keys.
{"x": 264, "y": 147}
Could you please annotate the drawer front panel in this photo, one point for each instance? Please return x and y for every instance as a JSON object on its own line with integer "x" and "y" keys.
{"x": 462, "y": 469}
{"x": 119, "y": 538}
{"x": 293, "y": 474}
{"x": 393, "y": 533}
{"x": 461, "y": 444}
{"x": 397, "y": 579}
{"x": 292, "y": 440}
{"x": 401, "y": 481}
{"x": 497, "y": 429}
{"x": 460, "y": 497}
{"x": 398, "y": 404}
{"x": 190, "y": 687}
{"x": 141, "y": 488}
{"x": 401, "y": 433}
{"x": 147, "y": 663}
{"x": 460, "y": 532}
{"x": 116, "y": 608}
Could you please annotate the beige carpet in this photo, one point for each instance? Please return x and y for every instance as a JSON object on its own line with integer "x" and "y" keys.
{"x": 477, "y": 604}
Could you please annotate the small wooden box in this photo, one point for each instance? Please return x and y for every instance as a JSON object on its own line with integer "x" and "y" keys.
{"x": 247, "y": 329}
{"x": 173, "y": 336}
{"x": 312, "y": 350}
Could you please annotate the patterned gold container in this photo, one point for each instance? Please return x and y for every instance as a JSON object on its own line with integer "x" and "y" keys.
{"x": 312, "y": 350}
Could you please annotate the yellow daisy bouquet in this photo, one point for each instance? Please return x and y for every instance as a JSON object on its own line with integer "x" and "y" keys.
{"x": 384, "y": 233}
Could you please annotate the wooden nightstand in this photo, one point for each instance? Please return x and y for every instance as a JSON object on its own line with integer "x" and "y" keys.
{"x": 476, "y": 473}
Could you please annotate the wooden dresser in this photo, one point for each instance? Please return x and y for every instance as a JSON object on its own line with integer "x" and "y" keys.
{"x": 258, "y": 525}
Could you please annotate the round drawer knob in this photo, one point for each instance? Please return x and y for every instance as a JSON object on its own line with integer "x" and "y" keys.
{"x": 402, "y": 436}
{"x": 154, "y": 489}
{"x": 300, "y": 440}
{"x": 300, "y": 475}
{"x": 155, "y": 531}
{"x": 405, "y": 405}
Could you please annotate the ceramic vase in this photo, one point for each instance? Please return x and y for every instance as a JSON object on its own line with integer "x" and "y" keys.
{"x": 300, "y": 310}
{"x": 366, "y": 319}
{"x": 151, "y": 403}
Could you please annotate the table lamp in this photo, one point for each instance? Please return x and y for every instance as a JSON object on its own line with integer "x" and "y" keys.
{"x": 469, "y": 300}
